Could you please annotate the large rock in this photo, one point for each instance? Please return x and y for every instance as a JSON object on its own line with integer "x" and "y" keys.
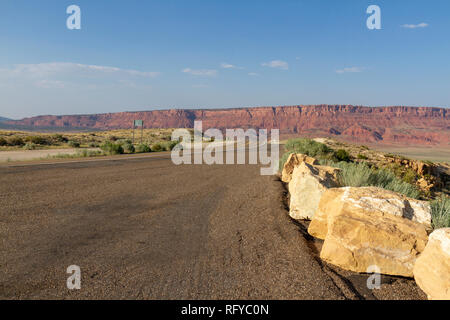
{"x": 294, "y": 160}
{"x": 367, "y": 199}
{"x": 371, "y": 226}
{"x": 307, "y": 185}
{"x": 432, "y": 268}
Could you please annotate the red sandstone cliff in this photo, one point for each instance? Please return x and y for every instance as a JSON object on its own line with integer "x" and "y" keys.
{"x": 405, "y": 125}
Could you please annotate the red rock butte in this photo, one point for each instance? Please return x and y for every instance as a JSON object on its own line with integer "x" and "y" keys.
{"x": 387, "y": 125}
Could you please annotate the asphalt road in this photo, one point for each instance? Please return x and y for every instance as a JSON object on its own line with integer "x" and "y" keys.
{"x": 144, "y": 228}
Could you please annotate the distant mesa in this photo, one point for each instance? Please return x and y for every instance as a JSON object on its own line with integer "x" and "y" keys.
{"x": 4, "y": 119}
{"x": 382, "y": 125}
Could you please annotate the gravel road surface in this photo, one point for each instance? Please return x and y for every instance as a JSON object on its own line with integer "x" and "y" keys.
{"x": 144, "y": 228}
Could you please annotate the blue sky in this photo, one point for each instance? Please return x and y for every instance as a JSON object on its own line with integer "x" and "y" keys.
{"x": 145, "y": 55}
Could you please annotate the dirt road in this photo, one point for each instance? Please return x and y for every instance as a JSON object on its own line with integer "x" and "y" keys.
{"x": 147, "y": 229}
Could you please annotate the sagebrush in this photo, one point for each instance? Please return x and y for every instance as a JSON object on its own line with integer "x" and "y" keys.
{"x": 440, "y": 212}
{"x": 112, "y": 148}
{"x": 362, "y": 175}
{"x": 306, "y": 146}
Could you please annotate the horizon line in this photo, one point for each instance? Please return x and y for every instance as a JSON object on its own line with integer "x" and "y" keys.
{"x": 229, "y": 108}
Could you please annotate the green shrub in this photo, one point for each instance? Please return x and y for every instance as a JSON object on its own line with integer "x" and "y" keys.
{"x": 362, "y": 157}
{"x": 128, "y": 147}
{"x": 80, "y": 154}
{"x": 37, "y": 140}
{"x": 396, "y": 169}
{"x": 126, "y": 144}
{"x": 402, "y": 187}
{"x": 59, "y": 138}
{"x": 143, "y": 148}
{"x": 410, "y": 176}
{"x": 307, "y": 146}
{"x": 390, "y": 155}
{"x": 15, "y": 141}
{"x": 112, "y": 148}
{"x": 353, "y": 175}
{"x": 168, "y": 146}
{"x": 361, "y": 175}
{"x": 74, "y": 144}
{"x": 440, "y": 212}
{"x": 342, "y": 155}
{"x": 93, "y": 144}
{"x": 89, "y": 153}
{"x": 157, "y": 147}
{"x": 124, "y": 141}
{"x": 30, "y": 146}
{"x": 3, "y": 141}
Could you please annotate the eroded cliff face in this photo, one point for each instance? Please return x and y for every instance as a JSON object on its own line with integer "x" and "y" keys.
{"x": 405, "y": 125}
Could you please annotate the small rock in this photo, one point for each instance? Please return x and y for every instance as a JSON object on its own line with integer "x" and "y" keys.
{"x": 293, "y": 161}
{"x": 424, "y": 184}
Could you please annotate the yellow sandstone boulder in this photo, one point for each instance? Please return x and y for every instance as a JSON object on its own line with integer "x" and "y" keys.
{"x": 432, "y": 268}
{"x": 371, "y": 226}
{"x": 293, "y": 161}
{"x": 306, "y": 187}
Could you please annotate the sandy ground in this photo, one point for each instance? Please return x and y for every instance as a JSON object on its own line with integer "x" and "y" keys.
{"x": 437, "y": 154}
{"x": 143, "y": 228}
{"x": 24, "y": 155}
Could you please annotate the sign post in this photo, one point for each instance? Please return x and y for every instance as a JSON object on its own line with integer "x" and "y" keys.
{"x": 139, "y": 123}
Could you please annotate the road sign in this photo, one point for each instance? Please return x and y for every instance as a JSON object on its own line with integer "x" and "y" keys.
{"x": 138, "y": 123}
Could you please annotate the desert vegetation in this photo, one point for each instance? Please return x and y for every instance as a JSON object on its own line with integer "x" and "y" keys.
{"x": 362, "y": 175}
{"x": 15, "y": 140}
{"x": 314, "y": 149}
{"x": 440, "y": 212}
{"x": 90, "y": 144}
{"x": 79, "y": 154}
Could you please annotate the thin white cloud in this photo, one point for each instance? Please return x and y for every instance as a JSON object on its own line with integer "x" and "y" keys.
{"x": 350, "y": 70}
{"x": 63, "y": 74}
{"x": 200, "y": 72}
{"x": 414, "y": 26}
{"x": 276, "y": 64}
{"x": 229, "y": 66}
{"x": 253, "y": 74}
{"x": 54, "y": 68}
